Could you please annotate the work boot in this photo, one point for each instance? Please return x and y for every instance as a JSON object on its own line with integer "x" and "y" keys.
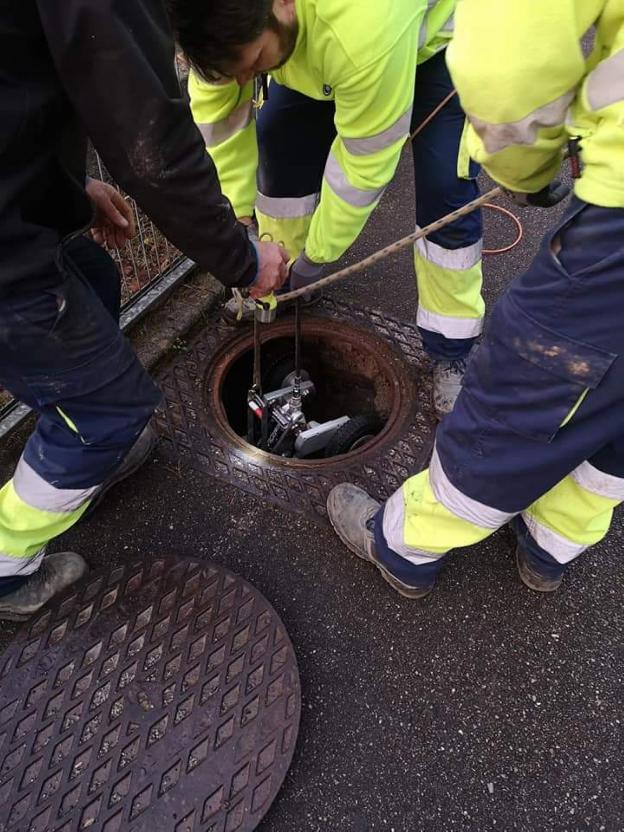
{"x": 231, "y": 309}
{"x": 447, "y": 384}
{"x": 530, "y": 577}
{"x": 138, "y": 454}
{"x": 352, "y": 514}
{"x": 56, "y": 573}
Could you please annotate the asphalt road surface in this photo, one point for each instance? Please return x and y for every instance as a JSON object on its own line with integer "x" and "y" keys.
{"x": 485, "y": 707}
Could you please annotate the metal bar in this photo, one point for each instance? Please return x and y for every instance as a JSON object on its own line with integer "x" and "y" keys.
{"x": 297, "y": 385}
{"x": 156, "y": 255}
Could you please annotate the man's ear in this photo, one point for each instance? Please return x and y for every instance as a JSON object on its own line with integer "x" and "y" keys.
{"x": 285, "y": 10}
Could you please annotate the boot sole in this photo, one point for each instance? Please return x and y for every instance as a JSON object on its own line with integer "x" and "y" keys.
{"x": 525, "y": 577}
{"x": 412, "y": 595}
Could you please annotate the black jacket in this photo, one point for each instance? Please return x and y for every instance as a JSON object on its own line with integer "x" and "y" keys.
{"x": 103, "y": 68}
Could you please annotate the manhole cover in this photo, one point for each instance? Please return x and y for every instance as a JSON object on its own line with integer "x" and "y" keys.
{"x": 163, "y": 695}
{"x": 197, "y": 433}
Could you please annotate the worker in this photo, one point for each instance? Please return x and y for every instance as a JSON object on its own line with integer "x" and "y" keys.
{"x": 536, "y": 436}
{"x": 341, "y": 104}
{"x": 107, "y": 67}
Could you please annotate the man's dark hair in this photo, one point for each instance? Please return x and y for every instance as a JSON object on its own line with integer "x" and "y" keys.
{"x": 210, "y": 32}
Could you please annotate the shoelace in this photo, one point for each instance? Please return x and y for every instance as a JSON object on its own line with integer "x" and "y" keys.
{"x": 457, "y": 365}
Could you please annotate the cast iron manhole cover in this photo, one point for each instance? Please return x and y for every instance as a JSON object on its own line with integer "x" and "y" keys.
{"x": 194, "y": 434}
{"x": 163, "y": 695}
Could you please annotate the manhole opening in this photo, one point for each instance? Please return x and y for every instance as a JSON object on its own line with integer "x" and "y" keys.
{"x": 352, "y": 400}
{"x": 197, "y": 434}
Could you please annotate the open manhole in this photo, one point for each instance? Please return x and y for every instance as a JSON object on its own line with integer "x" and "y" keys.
{"x": 160, "y": 695}
{"x": 353, "y": 390}
{"x": 362, "y": 364}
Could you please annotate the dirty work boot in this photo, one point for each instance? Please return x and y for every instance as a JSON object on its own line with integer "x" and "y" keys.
{"x": 138, "y": 454}
{"x": 447, "y": 384}
{"x": 352, "y": 514}
{"x": 531, "y": 578}
{"x": 56, "y": 573}
{"x": 229, "y": 312}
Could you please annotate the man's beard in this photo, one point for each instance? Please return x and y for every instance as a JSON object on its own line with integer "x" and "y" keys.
{"x": 287, "y": 35}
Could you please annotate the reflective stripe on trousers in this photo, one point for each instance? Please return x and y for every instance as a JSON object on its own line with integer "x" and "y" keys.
{"x": 426, "y": 518}
{"x": 448, "y": 263}
{"x": 575, "y": 514}
{"x": 31, "y": 513}
{"x": 449, "y": 289}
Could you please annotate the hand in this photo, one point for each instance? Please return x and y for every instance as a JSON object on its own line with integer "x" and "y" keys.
{"x": 272, "y": 269}
{"x": 114, "y": 219}
{"x": 550, "y": 195}
{"x": 304, "y": 272}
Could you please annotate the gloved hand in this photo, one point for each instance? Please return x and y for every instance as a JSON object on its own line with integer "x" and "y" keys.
{"x": 551, "y": 195}
{"x": 304, "y": 272}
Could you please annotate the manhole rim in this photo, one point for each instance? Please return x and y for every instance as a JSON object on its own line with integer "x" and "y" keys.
{"x": 389, "y": 358}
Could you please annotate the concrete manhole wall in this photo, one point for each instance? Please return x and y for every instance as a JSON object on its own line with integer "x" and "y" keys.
{"x": 201, "y": 436}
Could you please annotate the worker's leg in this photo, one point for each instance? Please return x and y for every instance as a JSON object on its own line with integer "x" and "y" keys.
{"x": 570, "y": 518}
{"x": 294, "y": 137}
{"x": 62, "y": 353}
{"x": 543, "y": 394}
{"x": 94, "y": 265}
{"x": 448, "y": 262}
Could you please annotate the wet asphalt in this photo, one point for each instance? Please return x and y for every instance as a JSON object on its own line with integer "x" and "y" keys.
{"x": 484, "y": 707}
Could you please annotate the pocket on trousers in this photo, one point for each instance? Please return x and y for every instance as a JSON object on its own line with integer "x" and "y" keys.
{"x": 71, "y": 353}
{"x": 529, "y": 377}
{"x": 587, "y": 241}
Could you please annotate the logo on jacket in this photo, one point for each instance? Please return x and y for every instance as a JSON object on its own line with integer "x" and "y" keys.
{"x": 327, "y": 90}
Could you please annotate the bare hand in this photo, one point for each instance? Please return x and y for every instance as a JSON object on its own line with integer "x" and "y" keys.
{"x": 114, "y": 219}
{"x": 272, "y": 269}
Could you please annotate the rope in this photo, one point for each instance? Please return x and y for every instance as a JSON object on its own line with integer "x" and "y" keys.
{"x": 431, "y": 116}
{"x": 393, "y": 248}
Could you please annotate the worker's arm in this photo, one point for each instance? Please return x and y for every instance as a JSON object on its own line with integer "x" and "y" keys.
{"x": 224, "y": 115}
{"x": 517, "y": 67}
{"x": 116, "y": 62}
{"x": 373, "y": 111}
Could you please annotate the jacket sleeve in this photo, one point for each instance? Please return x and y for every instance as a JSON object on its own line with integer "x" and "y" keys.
{"x": 115, "y": 59}
{"x": 373, "y": 113}
{"x": 517, "y": 68}
{"x": 224, "y": 115}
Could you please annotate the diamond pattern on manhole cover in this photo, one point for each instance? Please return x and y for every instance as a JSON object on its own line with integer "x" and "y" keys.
{"x": 194, "y": 436}
{"x": 163, "y": 695}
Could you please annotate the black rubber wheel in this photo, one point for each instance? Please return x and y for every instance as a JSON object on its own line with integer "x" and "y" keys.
{"x": 276, "y": 375}
{"x": 353, "y": 434}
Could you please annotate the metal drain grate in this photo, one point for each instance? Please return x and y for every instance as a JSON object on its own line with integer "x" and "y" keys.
{"x": 193, "y": 435}
{"x": 162, "y": 695}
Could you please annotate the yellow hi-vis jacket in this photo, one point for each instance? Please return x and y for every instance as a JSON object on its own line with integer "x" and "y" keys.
{"x": 362, "y": 54}
{"x": 526, "y": 86}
